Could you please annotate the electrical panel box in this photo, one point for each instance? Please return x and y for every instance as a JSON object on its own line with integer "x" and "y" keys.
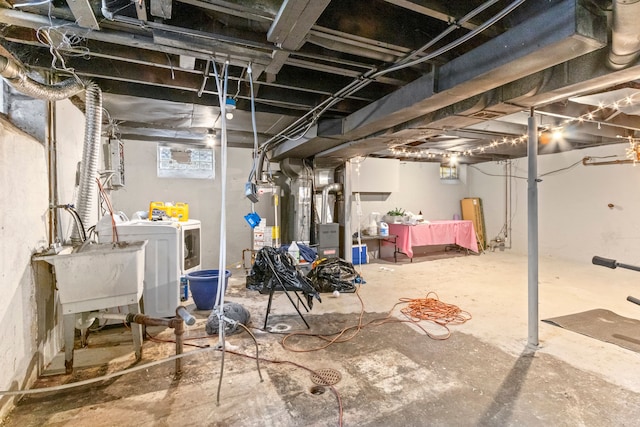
{"x": 114, "y": 161}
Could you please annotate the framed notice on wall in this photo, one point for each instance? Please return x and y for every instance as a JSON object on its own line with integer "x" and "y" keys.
{"x": 184, "y": 161}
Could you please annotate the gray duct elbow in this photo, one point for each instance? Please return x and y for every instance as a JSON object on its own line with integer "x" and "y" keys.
{"x": 325, "y": 199}
{"x": 18, "y": 78}
{"x": 625, "y": 37}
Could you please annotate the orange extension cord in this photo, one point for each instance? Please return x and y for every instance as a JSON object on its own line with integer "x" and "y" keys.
{"x": 419, "y": 309}
{"x": 436, "y": 311}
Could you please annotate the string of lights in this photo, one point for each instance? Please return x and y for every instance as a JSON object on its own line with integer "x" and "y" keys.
{"x": 633, "y": 150}
{"x": 546, "y": 132}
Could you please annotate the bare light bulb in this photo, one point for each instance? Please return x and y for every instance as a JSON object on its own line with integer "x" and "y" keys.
{"x": 211, "y": 138}
{"x": 229, "y": 115}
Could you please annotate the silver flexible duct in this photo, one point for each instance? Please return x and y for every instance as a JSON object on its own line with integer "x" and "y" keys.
{"x": 18, "y": 78}
{"x": 92, "y": 132}
{"x": 625, "y": 37}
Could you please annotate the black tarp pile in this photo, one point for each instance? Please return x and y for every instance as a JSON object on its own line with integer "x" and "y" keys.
{"x": 274, "y": 269}
{"x": 334, "y": 274}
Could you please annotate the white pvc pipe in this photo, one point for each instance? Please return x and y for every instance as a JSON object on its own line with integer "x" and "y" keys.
{"x": 222, "y": 96}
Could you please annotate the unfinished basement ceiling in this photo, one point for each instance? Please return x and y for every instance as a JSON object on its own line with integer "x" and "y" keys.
{"x": 419, "y": 79}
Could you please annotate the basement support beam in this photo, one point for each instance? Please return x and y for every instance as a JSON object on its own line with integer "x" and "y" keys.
{"x": 290, "y": 28}
{"x": 532, "y": 219}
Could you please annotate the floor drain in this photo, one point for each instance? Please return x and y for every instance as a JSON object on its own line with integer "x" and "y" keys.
{"x": 317, "y": 389}
{"x": 326, "y": 376}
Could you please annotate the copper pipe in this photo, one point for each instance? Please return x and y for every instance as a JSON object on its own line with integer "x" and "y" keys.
{"x": 177, "y": 323}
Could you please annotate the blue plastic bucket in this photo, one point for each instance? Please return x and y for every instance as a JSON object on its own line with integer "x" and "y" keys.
{"x": 204, "y": 287}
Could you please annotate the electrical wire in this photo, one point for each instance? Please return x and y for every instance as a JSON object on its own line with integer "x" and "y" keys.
{"x": 504, "y": 12}
{"x": 311, "y": 371}
{"x": 104, "y": 196}
{"x": 255, "y": 341}
{"x": 253, "y": 337}
{"x": 370, "y": 76}
{"x": 561, "y": 169}
{"x": 252, "y": 174}
{"x": 433, "y": 310}
{"x": 104, "y": 377}
{"x": 158, "y": 362}
{"x": 47, "y": 34}
{"x": 76, "y": 219}
{"x": 495, "y": 174}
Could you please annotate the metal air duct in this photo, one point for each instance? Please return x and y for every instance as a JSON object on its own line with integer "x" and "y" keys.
{"x": 18, "y": 78}
{"x": 625, "y": 36}
{"x": 92, "y": 132}
{"x": 325, "y": 199}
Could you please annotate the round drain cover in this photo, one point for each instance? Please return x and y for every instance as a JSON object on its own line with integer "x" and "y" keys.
{"x": 326, "y": 376}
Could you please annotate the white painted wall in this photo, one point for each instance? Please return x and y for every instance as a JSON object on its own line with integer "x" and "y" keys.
{"x": 31, "y": 331}
{"x": 420, "y": 189}
{"x": 203, "y": 197}
{"x": 23, "y": 179}
{"x": 575, "y": 222}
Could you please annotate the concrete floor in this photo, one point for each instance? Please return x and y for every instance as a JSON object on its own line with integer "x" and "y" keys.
{"x": 391, "y": 374}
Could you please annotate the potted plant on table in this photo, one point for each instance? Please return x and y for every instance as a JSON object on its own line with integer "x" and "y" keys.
{"x": 395, "y": 216}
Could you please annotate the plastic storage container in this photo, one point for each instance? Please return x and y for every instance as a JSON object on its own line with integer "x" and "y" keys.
{"x": 294, "y": 251}
{"x": 359, "y": 254}
{"x": 384, "y": 229}
{"x": 204, "y": 287}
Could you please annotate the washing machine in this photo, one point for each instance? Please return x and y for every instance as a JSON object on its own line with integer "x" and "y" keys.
{"x": 172, "y": 251}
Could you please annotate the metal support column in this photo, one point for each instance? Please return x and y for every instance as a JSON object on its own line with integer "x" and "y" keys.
{"x": 346, "y": 189}
{"x": 532, "y": 217}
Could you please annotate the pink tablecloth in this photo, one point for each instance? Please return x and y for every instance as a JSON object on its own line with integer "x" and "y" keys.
{"x": 460, "y": 233}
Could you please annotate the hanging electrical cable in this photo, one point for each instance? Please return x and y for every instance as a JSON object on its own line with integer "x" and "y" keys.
{"x": 250, "y": 186}
{"x": 221, "y": 83}
{"x": 308, "y": 119}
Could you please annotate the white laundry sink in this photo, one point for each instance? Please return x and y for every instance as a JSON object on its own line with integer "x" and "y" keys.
{"x": 99, "y": 276}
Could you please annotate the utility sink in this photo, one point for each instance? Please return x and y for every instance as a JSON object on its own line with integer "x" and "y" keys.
{"x": 99, "y": 276}
{"x": 95, "y": 277}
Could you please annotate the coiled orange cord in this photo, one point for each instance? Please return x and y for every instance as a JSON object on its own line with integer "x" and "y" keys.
{"x": 436, "y": 311}
{"x": 429, "y": 309}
